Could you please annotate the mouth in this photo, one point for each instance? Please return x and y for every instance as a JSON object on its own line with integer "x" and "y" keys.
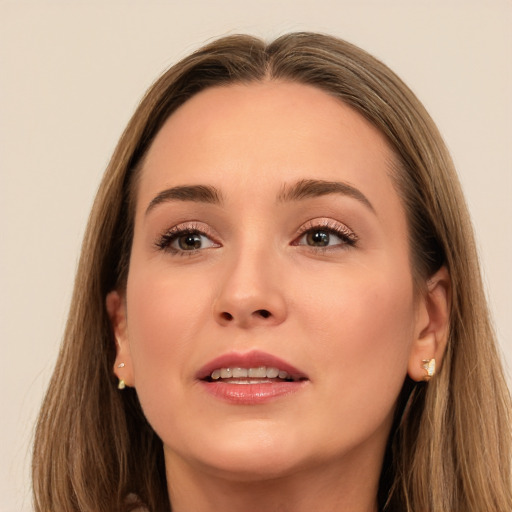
{"x": 258, "y": 375}
{"x": 251, "y": 378}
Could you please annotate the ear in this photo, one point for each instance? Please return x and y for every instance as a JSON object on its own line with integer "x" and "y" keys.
{"x": 116, "y": 309}
{"x": 432, "y": 325}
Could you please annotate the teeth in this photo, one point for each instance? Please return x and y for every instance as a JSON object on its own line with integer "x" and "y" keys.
{"x": 240, "y": 372}
{"x": 261, "y": 372}
{"x": 225, "y": 373}
{"x": 273, "y": 373}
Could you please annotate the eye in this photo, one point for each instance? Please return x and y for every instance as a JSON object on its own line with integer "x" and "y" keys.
{"x": 191, "y": 242}
{"x": 329, "y": 234}
{"x": 184, "y": 239}
{"x": 321, "y": 238}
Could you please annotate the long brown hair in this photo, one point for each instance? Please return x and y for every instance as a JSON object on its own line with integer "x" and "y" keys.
{"x": 450, "y": 447}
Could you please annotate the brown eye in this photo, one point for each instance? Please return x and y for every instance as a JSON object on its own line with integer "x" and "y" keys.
{"x": 185, "y": 239}
{"x": 189, "y": 241}
{"x": 318, "y": 238}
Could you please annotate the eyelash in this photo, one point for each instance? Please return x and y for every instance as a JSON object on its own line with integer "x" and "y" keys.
{"x": 164, "y": 241}
{"x": 347, "y": 236}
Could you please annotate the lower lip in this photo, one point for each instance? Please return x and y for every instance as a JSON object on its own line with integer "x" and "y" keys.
{"x": 252, "y": 394}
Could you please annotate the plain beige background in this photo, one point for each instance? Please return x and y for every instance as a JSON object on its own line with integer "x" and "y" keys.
{"x": 71, "y": 73}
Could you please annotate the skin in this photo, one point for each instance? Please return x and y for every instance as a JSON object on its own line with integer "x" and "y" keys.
{"x": 347, "y": 315}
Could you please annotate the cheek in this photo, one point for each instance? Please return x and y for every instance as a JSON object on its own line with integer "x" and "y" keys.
{"x": 165, "y": 315}
{"x": 360, "y": 309}
{"x": 364, "y": 331}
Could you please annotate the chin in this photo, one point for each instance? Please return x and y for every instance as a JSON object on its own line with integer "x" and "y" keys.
{"x": 250, "y": 454}
{"x": 251, "y": 467}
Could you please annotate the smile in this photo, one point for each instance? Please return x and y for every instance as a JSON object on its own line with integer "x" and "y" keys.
{"x": 256, "y": 375}
{"x": 250, "y": 378}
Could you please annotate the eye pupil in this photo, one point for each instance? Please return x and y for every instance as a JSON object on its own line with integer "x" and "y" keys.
{"x": 318, "y": 238}
{"x": 189, "y": 241}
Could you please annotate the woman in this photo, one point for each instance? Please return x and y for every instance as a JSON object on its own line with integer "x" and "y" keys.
{"x": 278, "y": 304}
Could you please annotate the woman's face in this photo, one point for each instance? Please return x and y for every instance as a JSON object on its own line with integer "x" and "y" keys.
{"x": 268, "y": 234}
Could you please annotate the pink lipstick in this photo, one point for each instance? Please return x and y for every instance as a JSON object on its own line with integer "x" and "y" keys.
{"x": 250, "y": 378}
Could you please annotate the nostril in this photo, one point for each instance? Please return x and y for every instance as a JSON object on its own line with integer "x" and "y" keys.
{"x": 262, "y": 313}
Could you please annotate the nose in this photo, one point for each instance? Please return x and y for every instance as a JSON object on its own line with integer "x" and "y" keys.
{"x": 251, "y": 292}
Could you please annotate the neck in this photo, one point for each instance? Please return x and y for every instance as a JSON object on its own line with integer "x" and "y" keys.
{"x": 322, "y": 488}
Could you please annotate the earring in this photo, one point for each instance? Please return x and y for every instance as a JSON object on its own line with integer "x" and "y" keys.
{"x": 121, "y": 384}
{"x": 430, "y": 366}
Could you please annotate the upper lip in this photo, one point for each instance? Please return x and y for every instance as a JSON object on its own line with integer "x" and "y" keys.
{"x": 252, "y": 359}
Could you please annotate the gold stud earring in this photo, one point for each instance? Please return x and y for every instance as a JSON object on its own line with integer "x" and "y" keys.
{"x": 430, "y": 366}
{"x": 121, "y": 384}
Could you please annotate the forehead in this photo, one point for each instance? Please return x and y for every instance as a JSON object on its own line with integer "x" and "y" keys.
{"x": 263, "y": 135}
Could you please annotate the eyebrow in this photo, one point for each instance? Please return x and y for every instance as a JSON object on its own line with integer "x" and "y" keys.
{"x": 305, "y": 189}
{"x": 196, "y": 193}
